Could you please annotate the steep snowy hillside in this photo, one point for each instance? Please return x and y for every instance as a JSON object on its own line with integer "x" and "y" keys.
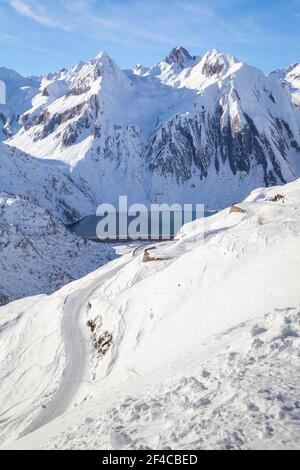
{"x": 243, "y": 132}
{"x": 293, "y": 79}
{"x": 37, "y": 253}
{"x": 187, "y": 130}
{"x": 290, "y": 79}
{"x": 19, "y": 94}
{"x": 43, "y": 183}
{"x": 83, "y": 119}
{"x": 191, "y": 344}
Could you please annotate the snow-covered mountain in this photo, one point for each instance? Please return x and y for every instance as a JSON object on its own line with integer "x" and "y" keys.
{"x": 168, "y": 70}
{"x": 18, "y": 99}
{"x": 44, "y": 183}
{"x": 189, "y": 129}
{"x": 38, "y": 254}
{"x": 196, "y": 349}
{"x": 290, "y": 78}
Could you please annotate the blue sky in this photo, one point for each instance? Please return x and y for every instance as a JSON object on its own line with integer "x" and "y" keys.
{"x": 38, "y": 36}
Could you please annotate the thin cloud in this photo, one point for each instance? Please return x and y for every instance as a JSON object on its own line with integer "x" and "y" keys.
{"x": 7, "y": 38}
{"x": 32, "y": 9}
{"x": 139, "y": 23}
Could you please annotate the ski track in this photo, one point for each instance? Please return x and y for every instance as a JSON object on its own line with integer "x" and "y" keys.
{"x": 75, "y": 342}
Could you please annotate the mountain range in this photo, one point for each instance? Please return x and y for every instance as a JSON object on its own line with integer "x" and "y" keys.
{"x": 190, "y": 129}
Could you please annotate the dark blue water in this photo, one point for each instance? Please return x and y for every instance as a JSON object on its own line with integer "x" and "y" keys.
{"x": 166, "y": 227}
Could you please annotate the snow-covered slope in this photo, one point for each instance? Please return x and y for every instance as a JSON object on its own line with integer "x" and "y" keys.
{"x": 19, "y": 94}
{"x": 187, "y": 130}
{"x": 82, "y": 118}
{"x": 38, "y": 254}
{"x": 242, "y": 131}
{"x": 293, "y": 79}
{"x": 290, "y": 78}
{"x": 44, "y": 184}
{"x": 198, "y": 348}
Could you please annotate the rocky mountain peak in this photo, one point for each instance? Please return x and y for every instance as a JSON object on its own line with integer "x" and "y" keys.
{"x": 102, "y": 66}
{"x": 140, "y": 70}
{"x": 216, "y": 63}
{"x": 181, "y": 57}
{"x": 102, "y": 57}
{"x": 104, "y": 63}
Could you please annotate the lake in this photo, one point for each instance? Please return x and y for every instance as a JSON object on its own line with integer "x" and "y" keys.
{"x": 151, "y": 227}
